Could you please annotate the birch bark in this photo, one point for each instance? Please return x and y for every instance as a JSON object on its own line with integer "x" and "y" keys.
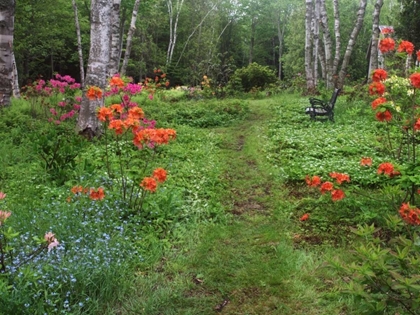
{"x": 173, "y": 25}
{"x": 79, "y": 45}
{"x": 130, "y": 37}
{"x": 114, "y": 58}
{"x": 7, "y": 12}
{"x": 350, "y": 45}
{"x": 308, "y": 47}
{"x": 373, "y": 60}
{"x": 327, "y": 45}
{"x": 97, "y": 68}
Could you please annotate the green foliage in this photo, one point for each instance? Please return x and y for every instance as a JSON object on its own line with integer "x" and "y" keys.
{"x": 252, "y": 76}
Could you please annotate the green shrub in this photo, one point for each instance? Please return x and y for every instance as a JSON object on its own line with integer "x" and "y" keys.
{"x": 252, "y": 76}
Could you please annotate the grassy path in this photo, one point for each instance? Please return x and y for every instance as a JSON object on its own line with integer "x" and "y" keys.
{"x": 248, "y": 265}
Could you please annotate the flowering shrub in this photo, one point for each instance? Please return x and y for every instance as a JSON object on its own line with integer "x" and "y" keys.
{"x": 127, "y": 131}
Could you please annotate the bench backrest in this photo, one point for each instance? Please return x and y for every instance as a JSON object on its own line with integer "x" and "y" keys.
{"x": 334, "y": 98}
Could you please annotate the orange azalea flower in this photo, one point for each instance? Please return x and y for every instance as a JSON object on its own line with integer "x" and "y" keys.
{"x": 304, "y": 217}
{"x": 378, "y": 101}
{"x": 136, "y": 113}
{"x": 384, "y": 116}
{"x": 379, "y": 75}
{"x": 418, "y": 55}
{"x": 327, "y": 186}
{"x": 117, "y": 125}
{"x": 149, "y": 183}
{"x": 314, "y": 181}
{"x": 159, "y": 174}
{"x": 409, "y": 214}
{"x": 163, "y": 75}
{"x": 117, "y": 108}
{"x": 98, "y": 194}
{"x": 76, "y": 189}
{"x": 3, "y": 216}
{"x": 406, "y": 46}
{"x": 386, "y": 168}
{"x": 167, "y": 83}
{"x": 337, "y": 195}
{"x": 104, "y": 114}
{"x": 417, "y": 125}
{"x": 376, "y": 88}
{"x": 155, "y": 136}
{"x": 415, "y": 80}
{"x": 366, "y": 161}
{"x": 340, "y": 177}
{"x": 130, "y": 123}
{"x": 386, "y": 45}
{"x": 94, "y": 93}
{"x": 116, "y": 81}
{"x": 387, "y": 30}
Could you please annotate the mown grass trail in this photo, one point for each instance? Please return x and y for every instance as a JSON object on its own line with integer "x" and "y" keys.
{"x": 248, "y": 264}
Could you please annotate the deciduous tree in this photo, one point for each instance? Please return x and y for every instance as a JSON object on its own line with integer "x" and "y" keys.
{"x": 7, "y": 11}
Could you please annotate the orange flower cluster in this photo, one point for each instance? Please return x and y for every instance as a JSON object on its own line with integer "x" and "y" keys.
{"x": 379, "y": 75}
{"x": 378, "y": 101}
{"x": 366, "y": 161}
{"x": 94, "y": 93}
{"x": 415, "y": 80}
{"x": 418, "y": 55}
{"x": 386, "y": 45}
{"x": 384, "y": 116}
{"x": 153, "y": 136}
{"x": 336, "y": 194}
{"x": 387, "y": 30}
{"x": 417, "y": 125}
{"x": 409, "y": 214}
{"x": 406, "y": 46}
{"x": 304, "y": 217}
{"x": 387, "y": 168}
{"x": 150, "y": 183}
{"x": 340, "y": 177}
{"x": 121, "y": 119}
{"x": 117, "y": 81}
{"x": 376, "y": 88}
{"x": 314, "y": 181}
{"x": 94, "y": 194}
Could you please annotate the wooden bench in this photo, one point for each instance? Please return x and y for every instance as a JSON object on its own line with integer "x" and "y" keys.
{"x": 321, "y": 109}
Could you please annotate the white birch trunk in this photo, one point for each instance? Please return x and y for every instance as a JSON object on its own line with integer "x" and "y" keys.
{"x": 308, "y": 47}
{"x": 173, "y": 25}
{"x": 351, "y": 43}
{"x": 7, "y": 12}
{"x": 328, "y": 66}
{"x": 130, "y": 37}
{"x": 316, "y": 40}
{"x": 337, "y": 36}
{"x": 15, "y": 79}
{"x": 97, "y": 69}
{"x": 373, "y": 60}
{"x": 114, "y": 58}
{"x": 79, "y": 45}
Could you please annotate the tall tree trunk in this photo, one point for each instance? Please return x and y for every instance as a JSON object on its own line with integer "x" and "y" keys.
{"x": 15, "y": 79}
{"x": 373, "y": 60}
{"x": 79, "y": 45}
{"x": 308, "y": 47}
{"x": 352, "y": 42}
{"x": 328, "y": 66}
{"x": 130, "y": 37}
{"x": 252, "y": 40}
{"x": 97, "y": 69}
{"x": 173, "y": 26}
{"x": 7, "y": 13}
{"x": 316, "y": 19}
{"x": 114, "y": 59}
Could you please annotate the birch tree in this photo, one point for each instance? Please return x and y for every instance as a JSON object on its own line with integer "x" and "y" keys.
{"x": 308, "y": 46}
{"x": 97, "y": 68}
{"x": 130, "y": 37}
{"x": 114, "y": 59}
{"x": 316, "y": 19}
{"x": 352, "y": 41}
{"x": 173, "y": 26}
{"x": 7, "y": 11}
{"x": 373, "y": 60}
{"x": 79, "y": 45}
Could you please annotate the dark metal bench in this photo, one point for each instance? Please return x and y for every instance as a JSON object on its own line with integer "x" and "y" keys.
{"x": 322, "y": 109}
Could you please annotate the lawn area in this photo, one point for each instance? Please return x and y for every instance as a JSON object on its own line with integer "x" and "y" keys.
{"x": 223, "y": 233}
